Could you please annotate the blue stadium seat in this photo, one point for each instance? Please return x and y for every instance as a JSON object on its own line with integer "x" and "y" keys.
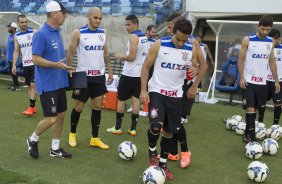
{"x": 229, "y": 79}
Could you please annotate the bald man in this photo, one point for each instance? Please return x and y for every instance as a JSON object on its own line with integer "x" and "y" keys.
{"x": 90, "y": 42}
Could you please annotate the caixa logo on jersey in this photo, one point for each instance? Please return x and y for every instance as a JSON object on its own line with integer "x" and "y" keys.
{"x": 260, "y": 56}
{"x": 185, "y": 56}
{"x": 173, "y": 66}
{"x": 94, "y": 47}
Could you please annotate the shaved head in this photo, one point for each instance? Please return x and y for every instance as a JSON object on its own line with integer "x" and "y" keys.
{"x": 94, "y": 16}
{"x": 94, "y": 10}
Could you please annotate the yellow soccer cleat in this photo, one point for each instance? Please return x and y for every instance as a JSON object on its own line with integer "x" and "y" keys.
{"x": 72, "y": 139}
{"x": 132, "y": 132}
{"x": 96, "y": 142}
{"x": 114, "y": 131}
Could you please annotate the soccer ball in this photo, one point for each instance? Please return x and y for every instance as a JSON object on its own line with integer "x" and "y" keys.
{"x": 127, "y": 150}
{"x": 257, "y": 171}
{"x": 238, "y": 118}
{"x": 154, "y": 175}
{"x": 231, "y": 123}
{"x": 260, "y": 132}
{"x": 253, "y": 150}
{"x": 273, "y": 132}
{"x": 270, "y": 146}
{"x": 260, "y": 124}
{"x": 240, "y": 128}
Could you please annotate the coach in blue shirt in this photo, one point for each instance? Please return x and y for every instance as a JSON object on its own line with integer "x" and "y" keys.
{"x": 50, "y": 79}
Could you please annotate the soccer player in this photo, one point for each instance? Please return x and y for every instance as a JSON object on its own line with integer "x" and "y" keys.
{"x": 12, "y": 28}
{"x": 129, "y": 83}
{"x": 170, "y": 57}
{"x": 23, "y": 43}
{"x": 90, "y": 41}
{"x": 48, "y": 55}
{"x": 254, "y": 56}
{"x": 276, "y": 97}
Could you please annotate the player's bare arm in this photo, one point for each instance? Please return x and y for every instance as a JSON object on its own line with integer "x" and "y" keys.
{"x": 15, "y": 55}
{"x": 197, "y": 58}
{"x": 273, "y": 68}
{"x": 133, "y": 40}
{"x": 107, "y": 61}
{"x": 149, "y": 61}
{"x": 241, "y": 59}
{"x": 72, "y": 47}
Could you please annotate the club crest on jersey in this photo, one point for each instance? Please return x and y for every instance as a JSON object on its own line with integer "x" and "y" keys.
{"x": 268, "y": 46}
{"x": 278, "y": 52}
{"x": 101, "y": 38}
{"x": 154, "y": 113}
{"x": 29, "y": 37}
{"x": 185, "y": 56}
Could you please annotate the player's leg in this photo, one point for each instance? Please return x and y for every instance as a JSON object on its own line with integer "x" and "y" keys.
{"x": 277, "y": 101}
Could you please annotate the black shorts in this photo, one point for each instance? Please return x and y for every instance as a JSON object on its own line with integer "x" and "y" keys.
{"x": 128, "y": 86}
{"x": 53, "y": 102}
{"x": 92, "y": 91}
{"x": 166, "y": 110}
{"x": 254, "y": 96}
{"x": 276, "y": 97}
{"x": 28, "y": 72}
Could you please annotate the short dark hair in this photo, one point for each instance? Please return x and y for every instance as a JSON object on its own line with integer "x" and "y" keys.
{"x": 133, "y": 19}
{"x": 184, "y": 26}
{"x": 274, "y": 33}
{"x": 172, "y": 17}
{"x": 150, "y": 27}
{"x": 266, "y": 20}
{"x": 21, "y": 16}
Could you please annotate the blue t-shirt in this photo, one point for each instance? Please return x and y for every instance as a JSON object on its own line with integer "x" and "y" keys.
{"x": 10, "y": 48}
{"x": 47, "y": 43}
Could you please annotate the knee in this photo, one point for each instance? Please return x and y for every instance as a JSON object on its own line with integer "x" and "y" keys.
{"x": 156, "y": 127}
{"x": 167, "y": 134}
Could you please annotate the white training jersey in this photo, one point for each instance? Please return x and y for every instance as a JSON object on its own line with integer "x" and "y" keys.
{"x": 25, "y": 43}
{"x": 278, "y": 58}
{"x": 170, "y": 68}
{"x": 202, "y": 46}
{"x": 257, "y": 58}
{"x": 90, "y": 51}
{"x": 133, "y": 68}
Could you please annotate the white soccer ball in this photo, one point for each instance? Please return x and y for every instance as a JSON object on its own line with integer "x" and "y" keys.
{"x": 253, "y": 150}
{"x": 260, "y": 124}
{"x": 240, "y": 128}
{"x": 127, "y": 150}
{"x": 280, "y": 131}
{"x": 273, "y": 132}
{"x": 154, "y": 175}
{"x": 231, "y": 123}
{"x": 238, "y": 118}
{"x": 270, "y": 146}
{"x": 260, "y": 132}
{"x": 257, "y": 171}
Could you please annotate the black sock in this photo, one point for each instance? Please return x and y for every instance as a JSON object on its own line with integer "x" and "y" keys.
{"x": 134, "y": 120}
{"x": 95, "y": 121}
{"x": 174, "y": 144}
{"x": 119, "y": 117}
{"x": 165, "y": 147}
{"x": 277, "y": 114}
{"x": 182, "y": 139}
{"x": 250, "y": 125}
{"x": 153, "y": 136}
{"x": 32, "y": 102}
{"x": 74, "y": 120}
{"x": 190, "y": 103}
{"x": 261, "y": 111}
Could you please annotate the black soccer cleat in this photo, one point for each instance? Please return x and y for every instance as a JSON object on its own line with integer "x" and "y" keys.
{"x": 60, "y": 153}
{"x": 32, "y": 148}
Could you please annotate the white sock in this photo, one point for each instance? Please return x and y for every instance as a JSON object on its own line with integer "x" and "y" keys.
{"x": 34, "y": 137}
{"x": 162, "y": 160}
{"x": 152, "y": 149}
{"x": 55, "y": 144}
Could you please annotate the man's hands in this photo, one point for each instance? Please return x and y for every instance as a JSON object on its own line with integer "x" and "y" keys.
{"x": 120, "y": 57}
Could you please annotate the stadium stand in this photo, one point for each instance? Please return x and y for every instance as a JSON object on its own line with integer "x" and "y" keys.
{"x": 157, "y": 8}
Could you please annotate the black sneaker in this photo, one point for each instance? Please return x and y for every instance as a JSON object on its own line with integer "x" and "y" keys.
{"x": 60, "y": 153}
{"x": 32, "y": 148}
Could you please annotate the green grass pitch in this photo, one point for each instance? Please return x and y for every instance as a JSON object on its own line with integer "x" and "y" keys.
{"x": 217, "y": 154}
